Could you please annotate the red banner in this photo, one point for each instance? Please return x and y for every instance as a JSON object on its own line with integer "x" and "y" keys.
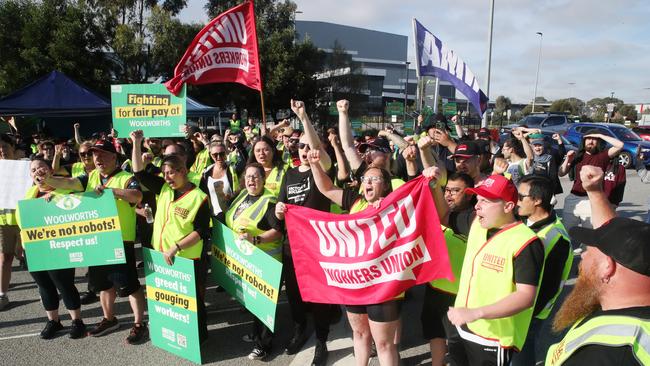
{"x": 225, "y": 51}
{"x": 371, "y": 256}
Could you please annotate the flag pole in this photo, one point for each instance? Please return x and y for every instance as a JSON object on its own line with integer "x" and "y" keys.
{"x": 263, "y": 112}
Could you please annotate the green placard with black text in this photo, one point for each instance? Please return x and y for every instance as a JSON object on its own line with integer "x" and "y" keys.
{"x": 246, "y": 273}
{"x": 172, "y": 305}
{"x": 71, "y": 230}
{"x": 150, "y": 108}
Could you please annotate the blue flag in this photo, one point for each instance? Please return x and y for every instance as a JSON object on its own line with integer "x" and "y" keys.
{"x": 435, "y": 59}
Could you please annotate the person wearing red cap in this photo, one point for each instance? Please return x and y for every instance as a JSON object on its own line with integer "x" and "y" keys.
{"x": 608, "y": 310}
{"x": 468, "y": 160}
{"x": 498, "y": 283}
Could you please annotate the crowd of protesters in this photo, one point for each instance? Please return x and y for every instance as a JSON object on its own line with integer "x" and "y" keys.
{"x": 510, "y": 252}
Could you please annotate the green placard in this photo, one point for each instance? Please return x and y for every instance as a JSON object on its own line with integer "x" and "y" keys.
{"x": 449, "y": 109}
{"x": 247, "y": 273}
{"x": 396, "y": 108}
{"x": 172, "y": 303}
{"x": 150, "y": 108}
{"x": 71, "y": 230}
{"x": 356, "y": 125}
{"x": 408, "y": 127}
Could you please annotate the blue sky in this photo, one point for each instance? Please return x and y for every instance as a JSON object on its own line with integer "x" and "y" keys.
{"x": 602, "y": 46}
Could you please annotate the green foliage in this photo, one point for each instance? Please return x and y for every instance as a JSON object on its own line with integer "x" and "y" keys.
{"x": 573, "y": 106}
{"x": 501, "y": 107}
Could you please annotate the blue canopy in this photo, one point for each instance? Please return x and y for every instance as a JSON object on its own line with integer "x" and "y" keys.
{"x": 54, "y": 95}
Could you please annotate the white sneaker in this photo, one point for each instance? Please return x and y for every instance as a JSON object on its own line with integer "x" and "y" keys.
{"x": 257, "y": 354}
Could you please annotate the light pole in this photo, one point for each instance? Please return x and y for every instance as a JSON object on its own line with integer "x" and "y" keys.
{"x": 539, "y": 61}
{"x": 406, "y": 89}
{"x": 489, "y": 61}
{"x": 571, "y": 85}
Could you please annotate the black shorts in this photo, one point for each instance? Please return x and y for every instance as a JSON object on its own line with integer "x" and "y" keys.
{"x": 382, "y": 313}
{"x": 435, "y": 305}
{"x": 124, "y": 276}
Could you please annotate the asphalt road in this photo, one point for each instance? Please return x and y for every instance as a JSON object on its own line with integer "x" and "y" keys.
{"x": 21, "y": 322}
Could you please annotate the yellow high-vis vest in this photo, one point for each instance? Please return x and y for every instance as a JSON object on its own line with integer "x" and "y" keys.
{"x": 456, "y": 246}
{"x": 125, "y": 211}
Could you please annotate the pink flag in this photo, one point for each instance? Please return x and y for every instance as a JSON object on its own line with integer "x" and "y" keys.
{"x": 371, "y": 256}
{"x": 225, "y": 51}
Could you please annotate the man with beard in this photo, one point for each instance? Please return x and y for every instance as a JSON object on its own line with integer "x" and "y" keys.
{"x": 576, "y": 210}
{"x": 609, "y": 307}
{"x": 498, "y": 284}
{"x": 534, "y": 204}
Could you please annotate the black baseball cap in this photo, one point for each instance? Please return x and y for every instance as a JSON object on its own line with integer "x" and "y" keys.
{"x": 467, "y": 150}
{"x": 623, "y": 239}
{"x": 483, "y": 132}
{"x": 104, "y": 145}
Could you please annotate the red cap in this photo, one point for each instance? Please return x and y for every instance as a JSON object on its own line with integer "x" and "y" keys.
{"x": 496, "y": 187}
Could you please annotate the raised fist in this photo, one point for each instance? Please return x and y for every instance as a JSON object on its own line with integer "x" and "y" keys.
{"x": 342, "y": 106}
{"x": 592, "y": 178}
{"x": 298, "y": 107}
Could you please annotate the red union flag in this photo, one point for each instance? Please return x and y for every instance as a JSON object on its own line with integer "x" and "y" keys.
{"x": 371, "y": 256}
{"x": 225, "y": 51}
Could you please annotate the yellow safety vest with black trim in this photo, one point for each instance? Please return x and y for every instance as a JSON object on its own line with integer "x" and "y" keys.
{"x": 157, "y": 161}
{"x": 604, "y": 330}
{"x": 125, "y": 211}
{"x": 550, "y": 235}
{"x": 201, "y": 161}
{"x": 488, "y": 276}
{"x": 78, "y": 169}
{"x": 274, "y": 180}
{"x": 248, "y": 220}
{"x": 456, "y": 246}
{"x": 175, "y": 220}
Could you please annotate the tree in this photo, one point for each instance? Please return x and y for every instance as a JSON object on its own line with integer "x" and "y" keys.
{"x": 501, "y": 107}
{"x": 51, "y": 35}
{"x": 598, "y": 107}
{"x": 572, "y": 106}
{"x": 626, "y": 112}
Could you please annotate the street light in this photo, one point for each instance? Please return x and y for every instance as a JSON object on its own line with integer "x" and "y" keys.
{"x": 571, "y": 85}
{"x": 406, "y": 89}
{"x": 539, "y": 61}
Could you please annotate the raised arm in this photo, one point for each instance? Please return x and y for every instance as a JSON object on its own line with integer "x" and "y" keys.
{"x": 566, "y": 164}
{"x": 323, "y": 182}
{"x": 395, "y": 138}
{"x": 77, "y": 135}
{"x": 530, "y": 155}
{"x": 426, "y": 153}
{"x": 136, "y": 154}
{"x": 342, "y": 166}
{"x": 617, "y": 145}
{"x": 459, "y": 129}
{"x": 592, "y": 182}
{"x": 345, "y": 133}
{"x": 298, "y": 107}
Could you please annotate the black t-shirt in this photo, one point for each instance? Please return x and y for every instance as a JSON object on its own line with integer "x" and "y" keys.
{"x": 553, "y": 265}
{"x": 350, "y": 196}
{"x": 461, "y": 221}
{"x": 601, "y": 355}
{"x": 298, "y": 188}
{"x": 528, "y": 263}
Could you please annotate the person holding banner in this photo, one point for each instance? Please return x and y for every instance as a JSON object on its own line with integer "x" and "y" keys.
{"x": 498, "y": 283}
{"x": 252, "y": 216}
{"x": 378, "y": 322}
{"x": 9, "y": 231}
{"x": 182, "y": 221}
{"x": 121, "y": 279}
{"x": 265, "y": 154}
{"x": 49, "y": 282}
{"x": 297, "y": 190}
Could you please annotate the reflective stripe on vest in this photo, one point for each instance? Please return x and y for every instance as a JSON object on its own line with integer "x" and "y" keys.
{"x": 456, "y": 246}
{"x": 250, "y": 217}
{"x": 125, "y": 211}
{"x": 488, "y": 276}
{"x": 7, "y": 217}
{"x": 175, "y": 220}
{"x": 607, "y": 330}
{"x": 550, "y": 235}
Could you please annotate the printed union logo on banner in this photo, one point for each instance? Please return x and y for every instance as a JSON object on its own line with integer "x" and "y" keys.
{"x": 150, "y": 108}
{"x": 173, "y": 305}
{"x": 71, "y": 231}
{"x": 246, "y": 273}
{"x": 371, "y": 256}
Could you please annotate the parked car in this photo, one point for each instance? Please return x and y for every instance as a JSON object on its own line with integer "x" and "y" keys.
{"x": 631, "y": 141}
{"x": 643, "y": 132}
{"x": 545, "y": 121}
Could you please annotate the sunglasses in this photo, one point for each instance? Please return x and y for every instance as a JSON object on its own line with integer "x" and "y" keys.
{"x": 522, "y": 196}
{"x": 220, "y": 153}
{"x": 85, "y": 154}
{"x": 303, "y": 145}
